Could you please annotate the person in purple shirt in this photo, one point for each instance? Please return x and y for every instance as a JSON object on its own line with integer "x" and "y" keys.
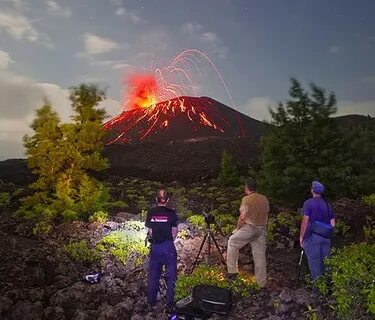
{"x": 316, "y": 247}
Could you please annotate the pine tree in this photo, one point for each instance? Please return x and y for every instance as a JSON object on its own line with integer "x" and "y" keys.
{"x": 43, "y": 159}
{"x": 228, "y": 172}
{"x": 63, "y": 155}
{"x": 83, "y": 145}
{"x": 361, "y": 143}
{"x": 304, "y": 145}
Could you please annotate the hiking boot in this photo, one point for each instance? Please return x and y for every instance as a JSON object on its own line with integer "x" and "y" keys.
{"x": 232, "y": 276}
{"x": 170, "y": 307}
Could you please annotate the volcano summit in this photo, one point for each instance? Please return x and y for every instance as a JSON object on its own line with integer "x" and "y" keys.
{"x": 180, "y": 139}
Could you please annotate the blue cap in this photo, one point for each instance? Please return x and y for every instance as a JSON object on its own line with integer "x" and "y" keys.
{"x": 317, "y": 187}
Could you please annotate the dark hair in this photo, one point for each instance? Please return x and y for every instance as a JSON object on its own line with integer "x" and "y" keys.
{"x": 251, "y": 184}
{"x": 162, "y": 196}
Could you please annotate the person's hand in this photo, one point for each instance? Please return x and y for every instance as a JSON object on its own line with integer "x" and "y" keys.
{"x": 301, "y": 242}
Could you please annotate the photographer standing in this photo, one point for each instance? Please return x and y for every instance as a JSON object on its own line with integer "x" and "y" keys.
{"x": 316, "y": 230}
{"x": 251, "y": 228}
{"x": 162, "y": 230}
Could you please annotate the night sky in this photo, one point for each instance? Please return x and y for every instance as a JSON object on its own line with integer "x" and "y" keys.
{"x": 48, "y": 46}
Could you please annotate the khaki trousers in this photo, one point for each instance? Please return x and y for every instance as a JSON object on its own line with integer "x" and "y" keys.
{"x": 256, "y": 236}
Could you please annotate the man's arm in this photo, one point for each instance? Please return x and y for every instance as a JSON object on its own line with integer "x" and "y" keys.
{"x": 241, "y": 218}
{"x": 174, "y": 226}
{"x": 333, "y": 222}
{"x": 332, "y": 219}
{"x": 149, "y": 232}
{"x": 304, "y": 223}
{"x": 174, "y": 232}
{"x": 148, "y": 225}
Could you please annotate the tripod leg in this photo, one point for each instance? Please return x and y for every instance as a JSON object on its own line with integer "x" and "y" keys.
{"x": 199, "y": 252}
{"x": 209, "y": 248}
{"x": 299, "y": 269}
{"x": 218, "y": 249}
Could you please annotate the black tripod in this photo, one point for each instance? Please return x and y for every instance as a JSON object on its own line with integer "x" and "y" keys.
{"x": 209, "y": 237}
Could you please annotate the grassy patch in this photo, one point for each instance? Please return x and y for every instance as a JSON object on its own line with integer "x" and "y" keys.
{"x": 128, "y": 244}
{"x": 80, "y": 251}
{"x": 197, "y": 220}
{"x": 99, "y": 216}
{"x": 369, "y": 200}
{"x": 4, "y": 200}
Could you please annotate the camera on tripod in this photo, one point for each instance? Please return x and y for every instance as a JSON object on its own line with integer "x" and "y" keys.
{"x": 208, "y": 218}
{"x": 210, "y": 239}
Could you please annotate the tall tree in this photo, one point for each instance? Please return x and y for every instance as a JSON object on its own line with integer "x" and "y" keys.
{"x": 43, "y": 159}
{"x": 63, "y": 155}
{"x": 361, "y": 143}
{"x": 304, "y": 145}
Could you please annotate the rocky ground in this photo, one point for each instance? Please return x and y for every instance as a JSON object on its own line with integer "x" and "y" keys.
{"x": 39, "y": 281}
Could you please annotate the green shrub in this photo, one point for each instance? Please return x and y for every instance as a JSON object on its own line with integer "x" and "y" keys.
{"x": 235, "y": 205}
{"x": 4, "y": 200}
{"x": 369, "y": 230}
{"x": 224, "y": 208}
{"x": 99, "y": 216}
{"x": 197, "y": 221}
{"x": 119, "y": 204}
{"x": 69, "y": 215}
{"x": 143, "y": 215}
{"x": 18, "y": 192}
{"x": 226, "y": 222}
{"x": 311, "y": 313}
{"x": 131, "y": 197}
{"x": 212, "y": 275}
{"x": 42, "y": 228}
{"x": 369, "y": 200}
{"x": 183, "y": 234}
{"x": 228, "y": 175}
{"x": 271, "y": 229}
{"x": 291, "y": 221}
{"x": 131, "y": 191}
{"x": 181, "y": 203}
{"x": 127, "y": 244}
{"x": 369, "y": 233}
{"x": 342, "y": 229}
{"x": 80, "y": 251}
{"x": 142, "y": 204}
{"x": 353, "y": 273}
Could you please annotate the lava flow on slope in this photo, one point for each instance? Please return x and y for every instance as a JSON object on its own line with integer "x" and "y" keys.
{"x": 182, "y": 118}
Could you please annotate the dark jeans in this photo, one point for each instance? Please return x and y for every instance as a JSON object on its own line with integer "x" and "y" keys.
{"x": 317, "y": 248}
{"x": 162, "y": 254}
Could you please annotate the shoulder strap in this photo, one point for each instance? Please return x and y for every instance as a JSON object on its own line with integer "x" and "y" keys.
{"x": 327, "y": 205}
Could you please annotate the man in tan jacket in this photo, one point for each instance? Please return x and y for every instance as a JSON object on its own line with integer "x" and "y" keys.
{"x": 251, "y": 228}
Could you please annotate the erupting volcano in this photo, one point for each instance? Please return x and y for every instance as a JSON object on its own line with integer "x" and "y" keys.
{"x": 167, "y": 130}
{"x": 163, "y": 106}
{"x": 177, "y": 119}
